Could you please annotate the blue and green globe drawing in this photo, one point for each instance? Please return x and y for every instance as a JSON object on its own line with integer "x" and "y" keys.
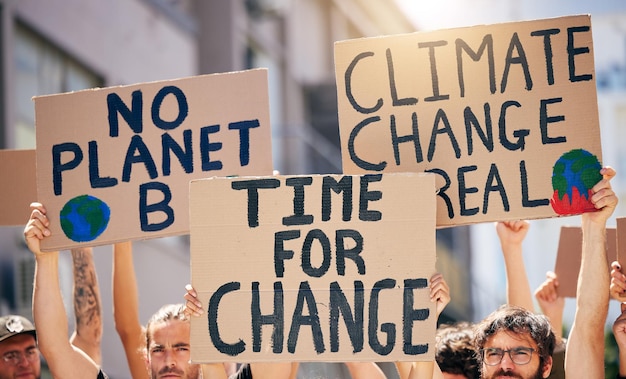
{"x": 84, "y": 218}
{"x": 573, "y": 176}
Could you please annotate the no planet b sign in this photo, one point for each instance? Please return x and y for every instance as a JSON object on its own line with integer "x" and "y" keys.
{"x": 505, "y": 115}
{"x": 313, "y": 268}
{"x": 114, "y": 164}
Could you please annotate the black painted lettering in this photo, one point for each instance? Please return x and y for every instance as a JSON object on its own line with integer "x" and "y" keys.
{"x": 206, "y": 147}
{"x": 494, "y": 184}
{"x": 280, "y": 254}
{"x": 485, "y": 135}
{"x": 388, "y": 329}
{"x": 392, "y": 85}
{"x": 95, "y": 179}
{"x": 526, "y": 202}
{"x": 232, "y": 349}
{"x": 411, "y": 315}
{"x": 464, "y": 190}
{"x": 58, "y": 167}
{"x": 157, "y": 102}
{"x": 365, "y": 165}
{"x": 442, "y": 191}
{"x": 547, "y": 48}
{"x": 414, "y": 137}
{"x": 162, "y": 206}
{"x": 244, "y": 138}
{"x": 307, "y": 264}
{"x": 573, "y": 51}
{"x": 433, "y": 69}
{"x": 138, "y": 153}
{"x": 353, "y": 253}
{"x": 339, "y": 305}
{"x": 516, "y": 45}
{"x": 348, "y": 82}
{"x": 544, "y": 120}
{"x": 520, "y": 134}
{"x": 442, "y": 118}
{"x": 185, "y": 156}
{"x": 253, "y": 186}
{"x": 365, "y": 196}
{"x": 343, "y": 186}
{"x": 276, "y": 319}
{"x": 298, "y": 217}
{"x": 462, "y": 46}
{"x": 305, "y": 295}
{"x": 133, "y": 116}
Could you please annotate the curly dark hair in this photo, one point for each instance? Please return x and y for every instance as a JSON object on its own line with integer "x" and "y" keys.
{"x": 454, "y": 350}
{"x": 520, "y": 321}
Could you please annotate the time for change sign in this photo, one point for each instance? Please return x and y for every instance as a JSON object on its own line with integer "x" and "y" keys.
{"x": 114, "y": 164}
{"x": 313, "y": 268}
{"x": 504, "y": 115}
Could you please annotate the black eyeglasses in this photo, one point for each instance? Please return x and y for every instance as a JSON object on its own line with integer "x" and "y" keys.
{"x": 519, "y": 355}
{"x": 15, "y": 357}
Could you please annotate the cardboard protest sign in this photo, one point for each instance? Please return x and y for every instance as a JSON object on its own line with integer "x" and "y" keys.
{"x": 114, "y": 164}
{"x": 569, "y": 255}
{"x": 505, "y": 115}
{"x": 18, "y": 187}
{"x": 313, "y": 268}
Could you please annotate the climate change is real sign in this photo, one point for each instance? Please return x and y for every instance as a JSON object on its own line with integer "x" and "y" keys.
{"x": 505, "y": 115}
{"x": 114, "y": 164}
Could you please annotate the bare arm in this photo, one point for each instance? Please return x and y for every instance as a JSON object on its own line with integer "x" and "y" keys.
{"x": 126, "y": 309}
{"x": 87, "y": 306}
{"x": 552, "y": 304}
{"x": 585, "y": 346}
{"x": 65, "y": 361}
{"x": 511, "y": 235}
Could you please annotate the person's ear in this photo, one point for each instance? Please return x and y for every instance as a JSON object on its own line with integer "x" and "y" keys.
{"x": 547, "y": 367}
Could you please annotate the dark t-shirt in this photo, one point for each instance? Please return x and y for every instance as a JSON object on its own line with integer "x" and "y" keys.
{"x": 244, "y": 372}
{"x": 102, "y": 375}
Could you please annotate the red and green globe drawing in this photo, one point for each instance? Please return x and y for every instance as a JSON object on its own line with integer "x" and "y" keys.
{"x": 573, "y": 176}
{"x": 84, "y": 218}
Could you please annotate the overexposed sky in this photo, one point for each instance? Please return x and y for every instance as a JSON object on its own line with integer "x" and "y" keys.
{"x": 442, "y": 14}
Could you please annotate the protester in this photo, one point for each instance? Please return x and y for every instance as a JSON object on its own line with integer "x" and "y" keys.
{"x": 134, "y": 336}
{"x": 18, "y": 348}
{"x": 65, "y": 360}
{"x": 584, "y": 355}
{"x": 511, "y": 235}
{"x": 455, "y": 353}
{"x": 513, "y": 341}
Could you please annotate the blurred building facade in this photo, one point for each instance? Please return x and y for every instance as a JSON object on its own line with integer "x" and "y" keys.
{"x": 58, "y": 46}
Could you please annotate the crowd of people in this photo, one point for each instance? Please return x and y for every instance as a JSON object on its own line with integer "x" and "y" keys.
{"x": 514, "y": 340}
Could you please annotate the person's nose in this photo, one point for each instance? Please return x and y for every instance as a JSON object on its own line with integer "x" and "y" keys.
{"x": 507, "y": 363}
{"x": 22, "y": 361}
{"x": 169, "y": 358}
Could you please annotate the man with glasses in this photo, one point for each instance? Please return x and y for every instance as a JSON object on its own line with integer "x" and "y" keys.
{"x": 18, "y": 349}
{"x": 513, "y": 341}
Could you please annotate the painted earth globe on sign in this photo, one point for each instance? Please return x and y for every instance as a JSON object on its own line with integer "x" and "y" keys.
{"x": 84, "y": 218}
{"x": 573, "y": 176}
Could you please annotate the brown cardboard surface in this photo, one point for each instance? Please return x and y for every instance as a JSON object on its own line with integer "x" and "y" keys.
{"x": 527, "y": 97}
{"x": 219, "y": 124}
{"x": 18, "y": 187}
{"x": 569, "y": 255}
{"x": 237, "y": 233}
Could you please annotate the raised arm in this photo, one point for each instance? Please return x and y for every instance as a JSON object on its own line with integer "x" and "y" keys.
{"x": 65, "y": 360}
{"x": 126, "y": 309}
{"x": 585, "y": 346}
{"x": 87, "y": 335}
{"x": 511, "y": 235}
{"x": 551, "y": 303}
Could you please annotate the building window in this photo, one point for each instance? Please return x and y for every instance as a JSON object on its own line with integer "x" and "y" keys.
{"x": 42, "y": 69}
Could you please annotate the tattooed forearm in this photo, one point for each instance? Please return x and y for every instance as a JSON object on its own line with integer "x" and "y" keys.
{"x": 87, "y": 307}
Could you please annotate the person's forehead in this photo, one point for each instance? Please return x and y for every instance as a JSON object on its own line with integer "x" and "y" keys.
{"x": 506, "y": 339}
{"x": 171, "y": 332}
{"x": 20, "y": 341}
